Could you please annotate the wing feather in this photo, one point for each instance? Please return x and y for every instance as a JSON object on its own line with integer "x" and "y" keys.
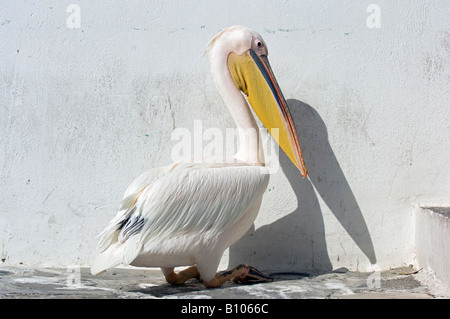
{"x": 176, "y": 200}
{"x": 199, "y": 200}
{"x": 112, "y": 232}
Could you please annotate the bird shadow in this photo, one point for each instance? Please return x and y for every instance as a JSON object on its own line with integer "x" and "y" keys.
{"x": 193, "y": 287}
{"x": 167, "y": 290}
{"x": 297, "y": 241}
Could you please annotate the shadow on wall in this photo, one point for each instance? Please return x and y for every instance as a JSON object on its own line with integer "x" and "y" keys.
{"x": 297, "y": 242}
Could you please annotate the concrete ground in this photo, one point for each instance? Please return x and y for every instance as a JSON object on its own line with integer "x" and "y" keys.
{"x": 76, "y": 282}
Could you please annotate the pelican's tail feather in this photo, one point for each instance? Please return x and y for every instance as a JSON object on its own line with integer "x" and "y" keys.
{"x": 116, "y": 254}
{"x": 110, "y": 258}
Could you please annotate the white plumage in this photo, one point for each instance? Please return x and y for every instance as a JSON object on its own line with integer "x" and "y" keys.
{"x": 182, "y": 213}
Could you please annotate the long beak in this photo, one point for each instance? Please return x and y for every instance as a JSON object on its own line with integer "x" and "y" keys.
{"x": 253, "y": 75}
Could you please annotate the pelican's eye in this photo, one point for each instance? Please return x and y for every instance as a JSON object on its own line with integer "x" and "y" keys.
{"x": 259, "y": 46}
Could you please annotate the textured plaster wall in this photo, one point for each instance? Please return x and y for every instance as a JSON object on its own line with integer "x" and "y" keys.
{"x": 85, "y": 110}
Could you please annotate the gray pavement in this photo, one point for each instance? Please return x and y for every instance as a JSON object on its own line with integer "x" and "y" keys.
{"x": 76, "y": 282}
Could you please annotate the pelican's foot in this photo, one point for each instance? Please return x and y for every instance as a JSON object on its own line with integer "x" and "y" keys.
{"x": 180, "y": 278}
{"x": 243, "y": 273}
{"x": 251, "y": 275}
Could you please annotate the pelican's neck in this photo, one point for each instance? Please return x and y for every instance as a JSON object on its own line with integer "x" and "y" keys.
{"x": 250, "y": 148}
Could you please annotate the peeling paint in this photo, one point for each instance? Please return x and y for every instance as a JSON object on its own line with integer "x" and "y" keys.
{"x": 49, "y": 194}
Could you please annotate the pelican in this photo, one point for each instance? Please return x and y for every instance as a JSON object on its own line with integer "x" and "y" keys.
{"x": 188, "y": 214}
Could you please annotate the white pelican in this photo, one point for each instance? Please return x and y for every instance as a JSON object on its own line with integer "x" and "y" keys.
{"x": 188, "y": 214}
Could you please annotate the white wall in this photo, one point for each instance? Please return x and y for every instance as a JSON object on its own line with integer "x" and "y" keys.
{"x": 83, "y": 111}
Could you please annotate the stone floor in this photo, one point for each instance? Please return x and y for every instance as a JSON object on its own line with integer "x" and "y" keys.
{"x": 75, "y": 282}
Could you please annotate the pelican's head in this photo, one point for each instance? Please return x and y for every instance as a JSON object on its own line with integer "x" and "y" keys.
{"x": 246, "y": 56}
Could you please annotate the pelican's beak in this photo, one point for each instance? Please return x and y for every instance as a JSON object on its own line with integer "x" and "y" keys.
{"x": 253, "y": 75}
